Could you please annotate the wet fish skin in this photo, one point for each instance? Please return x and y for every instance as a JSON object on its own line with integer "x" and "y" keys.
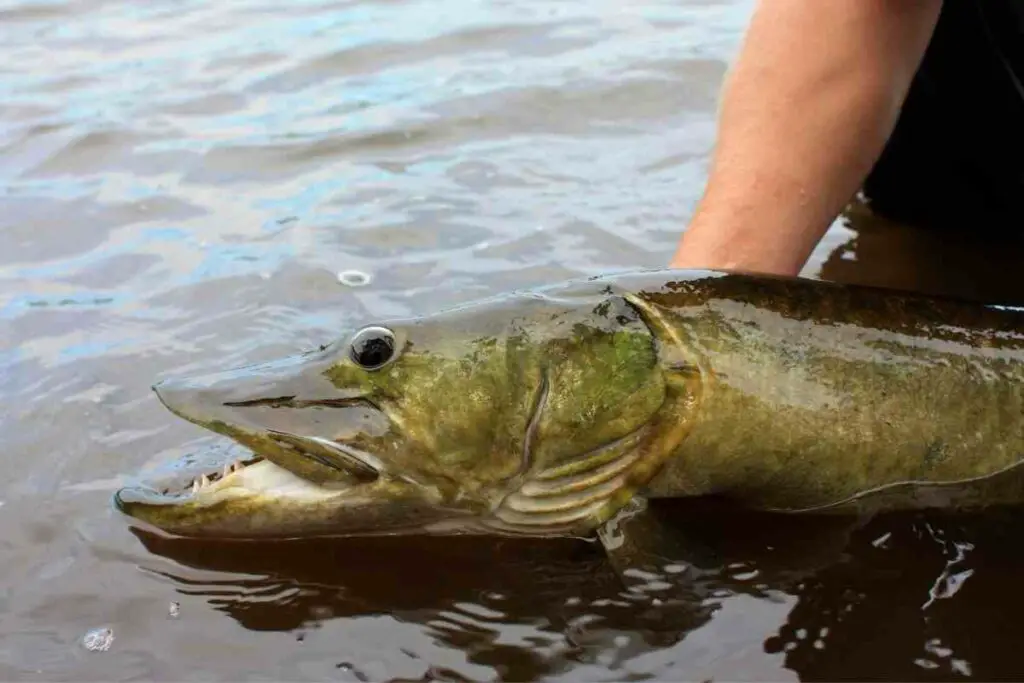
{"x": 816, "y": 394}
{"x": 545, "y": 412}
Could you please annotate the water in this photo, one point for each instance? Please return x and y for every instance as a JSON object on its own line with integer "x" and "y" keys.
{"x": 187, "y": 185}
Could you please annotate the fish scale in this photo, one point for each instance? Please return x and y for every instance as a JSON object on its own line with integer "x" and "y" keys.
{"x": 546, "y": 412}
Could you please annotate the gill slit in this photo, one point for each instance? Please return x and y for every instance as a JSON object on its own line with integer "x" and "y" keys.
{"x": 669, "y": 339}
{"x": 540, "y": 402}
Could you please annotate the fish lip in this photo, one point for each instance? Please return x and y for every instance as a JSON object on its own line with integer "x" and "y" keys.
{"x": 353, "y": 461}
{"x": 364, "y": 458}
{"x": 339, "y": 457}
{"x": 362, "y": 467}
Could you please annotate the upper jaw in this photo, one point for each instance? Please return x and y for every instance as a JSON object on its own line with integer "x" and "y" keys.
{"x": 356, "y": 463}
{"x": 285, "y": 430}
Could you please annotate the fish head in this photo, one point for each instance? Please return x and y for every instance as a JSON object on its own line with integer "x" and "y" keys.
{"x": 537, "y": 413}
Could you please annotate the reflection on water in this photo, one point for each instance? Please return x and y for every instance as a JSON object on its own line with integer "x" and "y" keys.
{"x": 821, "y": 599}
{"x": 971, "y": 263}
{"x": 182, "y": 185}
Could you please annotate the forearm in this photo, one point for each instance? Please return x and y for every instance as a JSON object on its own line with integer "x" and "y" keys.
{"x": 806, "y": 111}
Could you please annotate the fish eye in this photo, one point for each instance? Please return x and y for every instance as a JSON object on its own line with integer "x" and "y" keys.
{"x": 372, "y": 347}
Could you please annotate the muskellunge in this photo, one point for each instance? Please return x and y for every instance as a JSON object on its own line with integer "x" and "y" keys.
{"x": 545, "y": 412}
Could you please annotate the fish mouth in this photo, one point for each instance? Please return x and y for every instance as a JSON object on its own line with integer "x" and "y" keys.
{"x": 277, "y": 427}
{"x": 256, "y": 498}
{"x": 261, "y": 474}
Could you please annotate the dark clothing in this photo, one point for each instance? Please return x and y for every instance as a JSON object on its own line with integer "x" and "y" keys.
{"x": 956, "y": 157}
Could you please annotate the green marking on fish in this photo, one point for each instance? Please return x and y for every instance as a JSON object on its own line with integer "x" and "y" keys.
{"x": 547, "y": 412}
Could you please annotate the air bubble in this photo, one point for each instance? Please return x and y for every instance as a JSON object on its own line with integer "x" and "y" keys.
{"x": 98, "y": 639}
{"x": 353, "y": 278}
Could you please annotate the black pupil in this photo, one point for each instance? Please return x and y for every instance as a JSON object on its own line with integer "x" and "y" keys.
{"x": 373, "y": 348}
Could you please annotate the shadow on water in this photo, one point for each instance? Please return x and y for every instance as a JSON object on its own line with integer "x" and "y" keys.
{"x": 976, "y": 263}
{"x": 899, "y": 597}
{"x": 466, "y": 593}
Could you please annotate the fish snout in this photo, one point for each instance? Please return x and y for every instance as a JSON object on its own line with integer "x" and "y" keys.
{"x": 187, "y": 399}
{"x": 289, "y": 396}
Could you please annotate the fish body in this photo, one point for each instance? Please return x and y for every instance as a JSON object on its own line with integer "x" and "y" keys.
{"x": 813, "y": 394}
{"x": 546, "y": 412}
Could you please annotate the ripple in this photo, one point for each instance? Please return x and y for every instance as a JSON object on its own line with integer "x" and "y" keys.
{"x": 182, "y": 182}
{"x": 34, "y": 11}
{"x": 90, "y": 153}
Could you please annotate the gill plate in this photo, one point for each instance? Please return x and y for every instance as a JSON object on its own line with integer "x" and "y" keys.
{"x": 579, "y": 497}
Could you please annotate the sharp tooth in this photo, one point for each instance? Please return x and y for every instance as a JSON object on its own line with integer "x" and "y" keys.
{"x": 227, "y": 471}
{"x": 205, "y": 481}
{"x": 236, "y": 465}
{"x": 195, "y": 485}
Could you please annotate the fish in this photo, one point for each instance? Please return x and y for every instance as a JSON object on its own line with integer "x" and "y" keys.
{"x": 563, "y": 409}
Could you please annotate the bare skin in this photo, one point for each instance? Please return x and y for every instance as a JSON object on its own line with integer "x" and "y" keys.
{"x": 806, "y": 111}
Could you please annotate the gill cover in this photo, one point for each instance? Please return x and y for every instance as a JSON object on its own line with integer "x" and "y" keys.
{"x": 541, "y": 413}
{"x": 615, "y": 403}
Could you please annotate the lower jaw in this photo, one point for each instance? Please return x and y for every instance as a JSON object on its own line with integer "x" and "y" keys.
{"x": 256, "y": 477}
{"x": 291, "y": 521}
{"x": 263, "y": 501}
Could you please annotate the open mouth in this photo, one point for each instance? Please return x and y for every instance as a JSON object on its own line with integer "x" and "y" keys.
{"x": 259, "y": 474}
{"x": 215, "y": 479}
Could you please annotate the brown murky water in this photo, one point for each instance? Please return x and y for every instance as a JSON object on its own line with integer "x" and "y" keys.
{"x": 181, "y": 183}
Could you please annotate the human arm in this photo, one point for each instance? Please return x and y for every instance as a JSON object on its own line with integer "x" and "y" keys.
{"x": 806, "y": 111}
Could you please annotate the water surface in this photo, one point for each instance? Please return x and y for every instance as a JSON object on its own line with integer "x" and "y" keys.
{"x": 181, "y": 184}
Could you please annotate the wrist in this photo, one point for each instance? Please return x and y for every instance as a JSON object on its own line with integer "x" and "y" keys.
{"x": 740, "y": 234}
